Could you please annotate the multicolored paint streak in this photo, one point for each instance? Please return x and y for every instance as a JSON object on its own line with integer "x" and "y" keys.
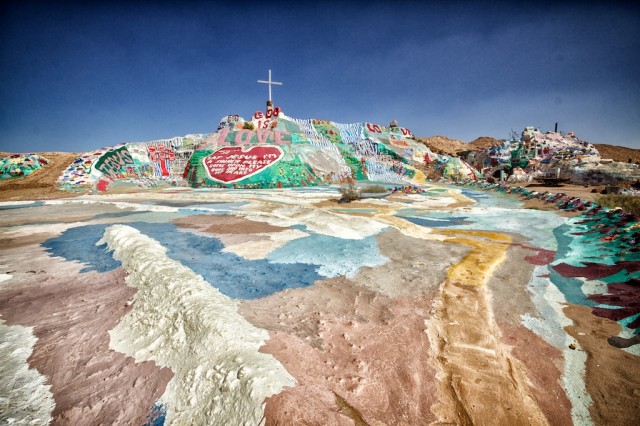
{"x": 239, "y": 306}
{"x": 20, "y": 165}
{"x": 598, "y": 263}
{"x": 270, "y": 151}
{"x": 143, "y": 164}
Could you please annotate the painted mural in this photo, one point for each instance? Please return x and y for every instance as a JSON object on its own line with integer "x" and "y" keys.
{"x": 313, "y": 152}
{"x": 143, "y": 164}
{"x": 271, "y": 150}
{"x": 20, "y": 165}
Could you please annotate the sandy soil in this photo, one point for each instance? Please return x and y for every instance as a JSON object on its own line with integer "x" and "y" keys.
{"x": 612, "y": 376}
{"x": 41, "y": 184}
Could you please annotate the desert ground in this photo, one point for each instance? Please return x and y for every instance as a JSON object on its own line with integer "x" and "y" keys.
{"x": 181, "y": 306}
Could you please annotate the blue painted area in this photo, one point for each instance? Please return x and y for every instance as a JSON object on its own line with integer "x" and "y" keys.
{"x": 625, "y": 322}
{"x": 574, "y": 249}
{"x": 433, "y": 193}
{"x": 114, "y": 215}
{"x": 233, "y": 275}
{"x": 432, "y": 219}
{"x": 485, "y": 199}
{"x": 212, "y": 208}
{"x": 158, "y": 415}
{"x": 437, "y": 222}
{"x": 21, "y": 206}
{"x": 621, "y": 277}
{"x": 571, "y": 288}
{"x": 334, "y": 256}
{"x": 79, "y": 244}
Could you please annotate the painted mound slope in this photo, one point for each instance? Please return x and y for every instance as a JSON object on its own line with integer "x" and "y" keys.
{"x": 19, "y": 165}
{"x": 278, "y": 151}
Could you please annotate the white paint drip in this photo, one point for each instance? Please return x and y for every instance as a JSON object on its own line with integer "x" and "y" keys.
{"x": 550, "y": 322}
{"x": 253, "y": 250}
{"x": 550, "y": 326}
{"x": 180, "y": 321}
{"x": 25, "y": 398}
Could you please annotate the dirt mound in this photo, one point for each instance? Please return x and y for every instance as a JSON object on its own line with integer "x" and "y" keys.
{"x": 41, "y": 184}
{"x": 444, "y": 145}
{"x": 618, "y": 153}
{"x": 484, "y": 143}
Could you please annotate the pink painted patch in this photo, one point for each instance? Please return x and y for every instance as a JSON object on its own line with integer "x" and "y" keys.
{"x": 544, "y": 257}
{"x": 234, "y": 163}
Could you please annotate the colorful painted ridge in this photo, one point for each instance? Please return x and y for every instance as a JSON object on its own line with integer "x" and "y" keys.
{"x": 20, "y": 165}
{"x": 273, "y": 152}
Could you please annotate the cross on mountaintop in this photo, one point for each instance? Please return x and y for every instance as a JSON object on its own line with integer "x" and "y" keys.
{"x": 269, "y": 82}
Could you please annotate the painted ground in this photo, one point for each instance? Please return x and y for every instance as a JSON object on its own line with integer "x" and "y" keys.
{"x": 186, "y": 306}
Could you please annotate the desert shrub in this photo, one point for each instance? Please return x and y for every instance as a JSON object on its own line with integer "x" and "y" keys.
{"x": 432, "y": 174}
{"x": 349, "y": 191}
{"x": 628, "y": 203}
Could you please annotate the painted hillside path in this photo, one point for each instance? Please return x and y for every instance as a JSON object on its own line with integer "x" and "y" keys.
{"x": 283, "y": 306}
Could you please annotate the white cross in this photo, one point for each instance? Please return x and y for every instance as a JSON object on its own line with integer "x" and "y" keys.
{"x": 270, "y": 83}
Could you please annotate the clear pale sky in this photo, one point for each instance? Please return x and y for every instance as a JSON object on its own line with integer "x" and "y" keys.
{"x": 78, "y": 77}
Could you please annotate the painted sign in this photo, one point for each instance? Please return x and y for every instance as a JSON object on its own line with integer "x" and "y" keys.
{"x": 161, "y": 154}
{"x": 376, "y": 128}
{"x": 232, "y": 164}
{"x": 268, "y": 120}
{"x": 398, "y": 142}
{"x": 112, "y": 162}
{"x": 246, "y": 136}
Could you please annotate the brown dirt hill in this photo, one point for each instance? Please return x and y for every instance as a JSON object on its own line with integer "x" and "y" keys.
{"x": 444, "y": 145}
{"x": 41, "y": 184}
{"x": 618, "y": 153}
{"x": 484, "y": 142}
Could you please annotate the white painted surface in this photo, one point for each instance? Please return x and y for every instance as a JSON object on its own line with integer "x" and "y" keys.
{"x": 180, "y": 321}
{"x": 25, "y": 398}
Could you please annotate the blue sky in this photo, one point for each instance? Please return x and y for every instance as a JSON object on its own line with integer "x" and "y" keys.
{"x": 78, "y": 77}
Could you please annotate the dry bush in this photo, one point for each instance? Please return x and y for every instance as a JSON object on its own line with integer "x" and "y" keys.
{"x": 349, "y": 191}
{"x": 628, "y": 203}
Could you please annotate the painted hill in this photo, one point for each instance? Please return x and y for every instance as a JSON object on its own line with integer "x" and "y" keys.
{"x": 270, "y": 150}
{"x": 273, "y": 150}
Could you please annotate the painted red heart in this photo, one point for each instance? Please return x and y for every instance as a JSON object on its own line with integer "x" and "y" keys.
{"x": 233, "y": 163}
